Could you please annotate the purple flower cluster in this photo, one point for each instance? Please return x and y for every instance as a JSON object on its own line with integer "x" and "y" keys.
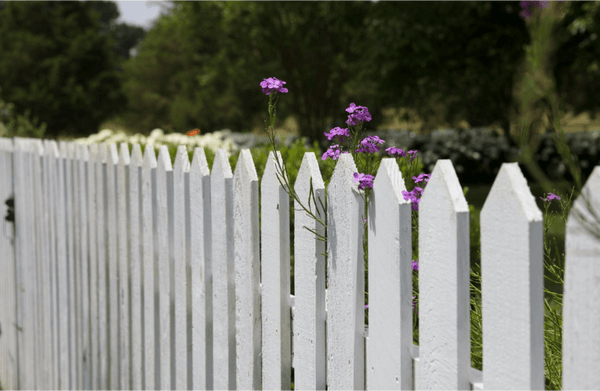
{"x": 364, "y": 180}
{"x": 357, "y": 114}
{"x": 550, "y": 197}
{"x": 417, "y": 192}
{"x": 338, "y": 132}
{"x": 273, "y": 85}
{"x": 333, "y": 152}
{"x": 369, "y": 144}
{"x": 399, "y": 152}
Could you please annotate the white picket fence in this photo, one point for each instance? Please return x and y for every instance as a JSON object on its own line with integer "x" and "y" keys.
{"x": 127, "y": 273}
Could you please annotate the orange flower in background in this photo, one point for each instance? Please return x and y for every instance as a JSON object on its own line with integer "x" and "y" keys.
{"x": 193, "y": 132}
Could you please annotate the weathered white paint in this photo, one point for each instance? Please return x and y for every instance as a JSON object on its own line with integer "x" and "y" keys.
{"x": 390, "y": 283}
{"x": 201, "y": 272}
{"x": 182, "y": 167}
{"x": 221, "y": 187}
{"x": 170, "y": 234}
{"x": 309, "y": 280}
{"x": 275, "y": 271}
{"x": 581, "y": 312}
{"x": 512, "y": 285}
{"x": 164, "y": 175}
{"x": 345, "y": 279}
{"x": 444, "y": 322}
{"x": 150, "y": 259}
{"x": 247, "y": 274}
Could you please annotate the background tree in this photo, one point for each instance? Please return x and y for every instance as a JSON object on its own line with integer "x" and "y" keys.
{"x": 54, "y": 62}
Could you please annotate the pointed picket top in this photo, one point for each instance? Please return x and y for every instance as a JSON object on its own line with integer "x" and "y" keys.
{"x": 199, "y": 161}
{"x": 84, "y": 153}
{"x": 149, "y": 157}
{"x": 245, "y": 166}
{"x": 389, "y": 345}
{"x": 345, "y": 276}
{"x": 182, "y": 160}
{"x": 272, "y": 171}
{"x": 124, "y": 158}
{"x": 221, "y": 166}
{"x": 164, "y": 159}
{"x": 444, "y": 312}
{"x": 309, "y": 280}
{"x": 224, "y": 356}
{"x": 275, "y": 263}
{"x": 136, "y": 155}
{"x": 37, "y": 146}
{"x": 512, "y": 284}
{"x": 113, "y": 154}
{"x": 94, "y": 152}
{"x": 581, "y": 313}
{"x": 201, "y": 269}
{"x": 102, "y": 153}
{"x": 247, "y": 272}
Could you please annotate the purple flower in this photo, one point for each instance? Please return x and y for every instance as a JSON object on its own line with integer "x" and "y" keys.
{"x": 528, "y": 6}
{"x": 413, "y": 155}
{"x": 337, "y": 132}
{"x": 272, "y": 85}
{"x": 421, "y": 177}
{"x": 357, "y": 114}
{"x": 415, "y": 264}
{"x": 396, "y": 151}
{"x": 550, "y": 197}
{"x": 413, "y": 196}
{"x": 365, "y": 180}
{"x": 369, "y": 144}
{"x": 367, "y": 307}
{"x": 333, "y": 152}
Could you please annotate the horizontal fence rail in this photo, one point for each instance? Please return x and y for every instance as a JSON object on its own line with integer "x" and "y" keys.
{"x": 123, "y": 271}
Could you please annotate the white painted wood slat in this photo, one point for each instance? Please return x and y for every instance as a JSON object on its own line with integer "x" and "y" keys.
{"x": 581, "y": 312}
{"x": 114, "y": 335}
{"x": 164, "y": 181}
{"x": 150, "y": 258}
{"x": 275, "y": 267}
{"x": 247, "y": 273}
{"x": 84, "y": 357}
{"x": 201, "y": 271}
{"x": 389, "y": 345}
{"x": 309, "y": 280}
{"x": 345, "y": 279}
{"x": 444, "y": 319}
{"x": 124, "y": 276}
{"x": 512, "y": 285}
{"x": 182, "y": 166}
{"x": 93, "y": 198}
{"x": 135, "y": 249}
{"x": 224, "y": 341}
{"x": 104, "y": 370}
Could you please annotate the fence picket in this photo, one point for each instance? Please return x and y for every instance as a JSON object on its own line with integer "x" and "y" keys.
{"x": 181, "y": 169}
{"x": 201, "y": 272}
{"x": 150, "y": 350}
{"x": 104, "y": 368}
{"x": 345, "y": 279}
{"x": 275, "y": 267}
{"x": 93, "y": 265}
{"x": 389, "y": 345}
{"x": 444, "y": 321}
{"x": 82, "y": 155}
{"x": 309, "y": 280}
{"x": 247, "y": 273}
{"x": 114, "y": 336}
{"x": 8, "y": 306}
{"x": 123, "y": 268}
{"x": 135, "y": 235}
{"x": 164, "y": 182}
{"x": 512, "y": 272}
{"x": 581, "y": 313}
{"x": 221, "y": 187}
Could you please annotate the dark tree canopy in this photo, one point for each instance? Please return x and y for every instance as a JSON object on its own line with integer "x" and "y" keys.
{"x": 54, "y": 61}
